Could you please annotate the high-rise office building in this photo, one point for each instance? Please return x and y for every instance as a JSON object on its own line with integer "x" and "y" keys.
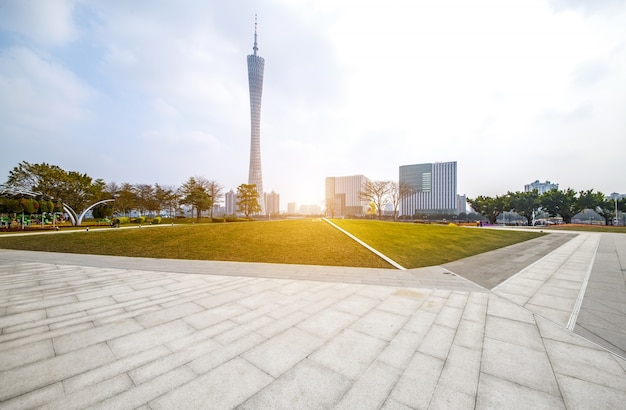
{"x": 230, "y": 203}
{"x": 255, "y": 81}
{"x": 343, "y": 195}
{"x": 433, "y": 189}
{"x": 272, "y": 203}
{"x": 541, "y": 187}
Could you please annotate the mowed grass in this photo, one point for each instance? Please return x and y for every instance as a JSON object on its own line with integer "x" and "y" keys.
{"x": 417, "y": 245}
{"x": 309, "y": 242}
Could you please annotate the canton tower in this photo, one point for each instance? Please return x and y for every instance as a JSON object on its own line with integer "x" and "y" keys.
{"x": 255, "y": 81}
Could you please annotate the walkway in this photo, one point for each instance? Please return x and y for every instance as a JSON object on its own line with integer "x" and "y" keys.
{"x": 83, "y": 331}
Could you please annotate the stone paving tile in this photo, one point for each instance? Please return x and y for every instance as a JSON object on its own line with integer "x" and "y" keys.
{"x": 497, "y": 393}
{"x": 280, "y": 353}
{"x": 417, "y": 384}
{"x": 371, "y": 389}
{"x": 300, "y": 388}
{"x": 80, "y": 340}
{"x": 512, "y": 331}
{"x": 210, "y": 317}
{"x": 519, "y": 364}
{"x": 401, "y": 348}
{"x": 113, "y": 369}
{"x": 36, "y": 398}
{"x": 18, "y": 318}
{"x": 349, "y": 353}
{"x": 27, "y": 378}
{"x": 146, "y": 392}
{"x": 215, "y": 388}
{"x": 584, "y": 363}
{"x": 380, "y": 324}
{"x": 161, "y": 316}
{"x": 91, "y": 395}
{"x": 581, "y": 394}
{"x": 138, "y": 341}
{"x": 361, "y": 346}
{"x": 25, "y": 354}
{"x": 223, "y": 354}
{"x": 327, "y": 323}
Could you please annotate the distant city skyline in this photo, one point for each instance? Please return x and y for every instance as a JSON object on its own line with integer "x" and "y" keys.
{"x": 156, "y": 93}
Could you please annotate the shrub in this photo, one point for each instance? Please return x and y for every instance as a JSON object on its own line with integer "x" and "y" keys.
{"x": 140, "y": 219}
{"x": 123, "y": 219}
{"x": 156, "y": 220}
{"x": 218, "y": 220}
{"x": 236, "y": 219}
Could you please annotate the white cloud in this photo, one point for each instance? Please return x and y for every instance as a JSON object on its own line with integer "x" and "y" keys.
{"x": 512, "y": 91}
{"x": 46, "y": 22}
{"x": 40, "y": 97}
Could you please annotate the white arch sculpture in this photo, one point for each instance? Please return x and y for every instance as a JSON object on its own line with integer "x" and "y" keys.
{"x": 78, "y": 219}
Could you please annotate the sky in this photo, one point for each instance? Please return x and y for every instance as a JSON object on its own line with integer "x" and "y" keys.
{"x": 156, "y": 91}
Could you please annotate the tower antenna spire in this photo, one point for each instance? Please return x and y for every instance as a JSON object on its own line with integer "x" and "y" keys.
{"x": 255, "y": 48}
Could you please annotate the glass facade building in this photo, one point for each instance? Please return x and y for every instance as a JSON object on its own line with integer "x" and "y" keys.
{"x": 433, "y": 186}
{"x": 343, "y": 196}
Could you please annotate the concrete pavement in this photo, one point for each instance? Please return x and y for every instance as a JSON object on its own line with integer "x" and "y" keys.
{"x": 82, "y": 331}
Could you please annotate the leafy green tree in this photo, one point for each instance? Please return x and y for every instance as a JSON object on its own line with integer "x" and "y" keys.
{"x": 524, "y": 203}
{"x": 563, "y": 203}
{"x": 248, "y": 199}
{"x": 14, "y": 205}
{"x": 125, "y": 198}
{"x": 73, "y": 188}
{"x": 598, "y": 202}
{"x": 146, "y": 201}
{"x": 28, "y": 206}
{"x": 166, "y": 197}
{"x": 195, "y": 193}
{"x": 489, "y": 207}
{"x": 102, "y": 211}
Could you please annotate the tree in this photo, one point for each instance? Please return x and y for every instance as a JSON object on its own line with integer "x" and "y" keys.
{"x": 398, "y": 191}
{"x": 563, "y": 203}
{"x": 524, "y": 203}
{"x": 331, "y": 205}
{"x": 194, "y": 192}
{"x": 167, "y": 198}
{"x": 377, "y": 193}
{"x": 125, "y": 199}
{"x": 605, "y": 207}
{"x": 72, "y": 188}
{"x": 102, "y": 211}
{"x": 145, "y": 199}
{"x": 488, "y": 207}
{"x": 216, "y": 191}
{"x": 248, "y": 199}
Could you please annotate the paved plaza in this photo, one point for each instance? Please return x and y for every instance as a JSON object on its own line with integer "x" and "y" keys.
{"x": 536, "y": 325}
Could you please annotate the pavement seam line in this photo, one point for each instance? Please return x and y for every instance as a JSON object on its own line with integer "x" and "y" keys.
{"x": 510, "y": 278}
{"x": 581, "y": 294}
{"x": 360, "y": 242}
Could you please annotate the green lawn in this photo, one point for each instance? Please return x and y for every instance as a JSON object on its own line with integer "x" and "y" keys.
{"x": 418, "y": 245}
{"x": 299, "y": 242}
{"x": 311, "y": 242}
